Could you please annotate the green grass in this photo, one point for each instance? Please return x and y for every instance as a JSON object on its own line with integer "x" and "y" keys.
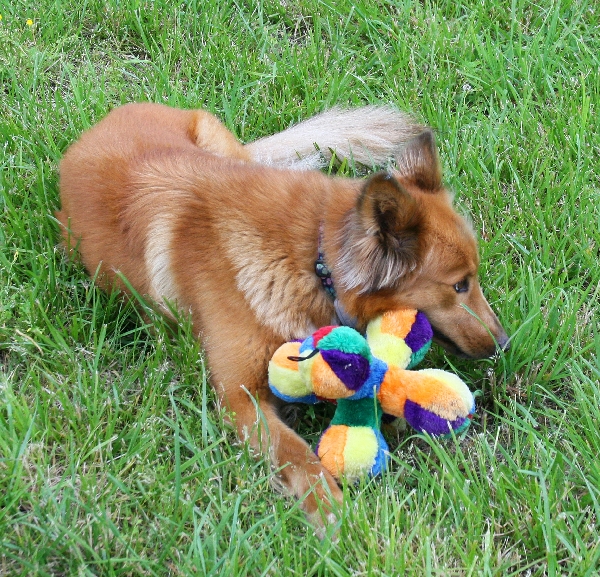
{"x": 114, "y": 459}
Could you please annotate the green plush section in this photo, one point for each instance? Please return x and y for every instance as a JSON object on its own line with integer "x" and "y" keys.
{"x": 346, "y": 340}
{"x": 360, "y": 413}
{"x": 418, "y": 356}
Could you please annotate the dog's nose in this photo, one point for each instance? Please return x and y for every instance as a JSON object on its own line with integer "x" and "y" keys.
{"x": 503, "y": 342}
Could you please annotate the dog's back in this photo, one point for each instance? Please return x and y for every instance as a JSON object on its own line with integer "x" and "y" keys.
{"x": 129, "y": 172}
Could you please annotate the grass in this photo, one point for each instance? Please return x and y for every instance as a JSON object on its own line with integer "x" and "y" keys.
{"x": 113, "y": 457}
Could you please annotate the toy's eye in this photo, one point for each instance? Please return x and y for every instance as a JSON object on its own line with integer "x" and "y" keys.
{"x": 462, "y": 286}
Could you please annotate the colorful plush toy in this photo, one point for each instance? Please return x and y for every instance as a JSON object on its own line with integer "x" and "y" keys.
{"x": 369, "y": 377}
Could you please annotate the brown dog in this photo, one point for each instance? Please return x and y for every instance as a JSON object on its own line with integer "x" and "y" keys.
{"x": 170, "y": 200}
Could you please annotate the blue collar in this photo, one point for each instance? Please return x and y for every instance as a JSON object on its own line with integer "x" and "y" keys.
{"x": 324, "y": 273}
{"x": 321, "y": 268}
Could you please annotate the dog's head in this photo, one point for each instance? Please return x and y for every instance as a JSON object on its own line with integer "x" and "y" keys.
{"x": 403, "y": 245}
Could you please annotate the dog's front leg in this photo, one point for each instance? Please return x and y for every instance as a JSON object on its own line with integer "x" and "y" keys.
{"x": 241, "y": 382}
{"x": 299, "y": 469}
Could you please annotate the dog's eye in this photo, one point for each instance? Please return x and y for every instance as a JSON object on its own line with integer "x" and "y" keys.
{"x": 462, "y": 286}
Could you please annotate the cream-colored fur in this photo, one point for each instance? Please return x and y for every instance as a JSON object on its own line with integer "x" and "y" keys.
{"x": 370, "y": 135}
{"x": 158, "y": 260}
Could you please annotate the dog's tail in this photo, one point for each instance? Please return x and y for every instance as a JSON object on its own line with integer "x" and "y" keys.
{"x": 370, "y": 135}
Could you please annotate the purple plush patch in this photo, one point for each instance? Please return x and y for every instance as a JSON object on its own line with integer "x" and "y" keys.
{"x": 425, "y": 421}
{"x": 350, "y": 368}
{"x": 420, "y": 333}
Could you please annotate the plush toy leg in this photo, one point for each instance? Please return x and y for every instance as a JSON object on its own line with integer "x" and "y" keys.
{"x": 431, "y": 400}
{"x": 352, "y": 446}
{"x": 400, "y": 338}
{"x": 352, "y": 452}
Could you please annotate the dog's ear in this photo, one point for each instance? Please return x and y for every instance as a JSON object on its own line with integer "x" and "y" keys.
{"x": 418, "y": 163}
{"x": 381, "y": 240}
{"x": 385, "y": 209}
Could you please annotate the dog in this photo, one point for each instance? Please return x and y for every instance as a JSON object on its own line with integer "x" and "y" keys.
{"x": 169, "y": 203}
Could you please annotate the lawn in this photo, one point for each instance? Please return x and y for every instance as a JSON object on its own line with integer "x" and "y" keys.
{"x": 114, "y": 459}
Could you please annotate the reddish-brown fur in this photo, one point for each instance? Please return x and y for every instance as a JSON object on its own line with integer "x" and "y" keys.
{"x": 170, "y": 200}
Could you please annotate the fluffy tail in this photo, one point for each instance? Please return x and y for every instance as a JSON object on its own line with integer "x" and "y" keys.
{"x": 370, "y": 136}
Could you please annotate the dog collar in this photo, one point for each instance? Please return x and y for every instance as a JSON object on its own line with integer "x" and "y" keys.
{"x": 321, "y": 268}
{"x": 324, "y": 274}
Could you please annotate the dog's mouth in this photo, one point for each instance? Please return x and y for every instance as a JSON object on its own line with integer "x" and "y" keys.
{"x": 448, "y": 344}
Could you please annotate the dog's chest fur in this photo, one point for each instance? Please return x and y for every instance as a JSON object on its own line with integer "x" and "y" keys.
{"x": 273, "y": 261}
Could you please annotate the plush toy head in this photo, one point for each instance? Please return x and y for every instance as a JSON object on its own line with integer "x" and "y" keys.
{"x": 368, "y": 377}
{"x": 332, "y": 363}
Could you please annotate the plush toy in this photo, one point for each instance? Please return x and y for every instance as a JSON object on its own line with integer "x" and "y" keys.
{"x": 368, "y": 377}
